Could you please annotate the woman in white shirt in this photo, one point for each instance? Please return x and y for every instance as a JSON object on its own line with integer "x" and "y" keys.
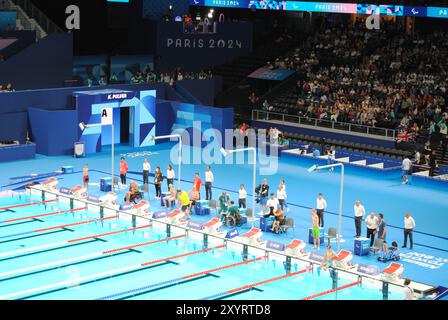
{"x": 146, "y": 170}
{"x": 170, "y": 175}
{"x": 281, "y": 196}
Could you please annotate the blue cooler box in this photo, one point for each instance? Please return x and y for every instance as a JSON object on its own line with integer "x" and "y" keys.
{"x": 362, "y": 246}
{"x": 322, "y": 236}
{"x": 68, "y": 169}
{"x": 266, "y": 224}
{"x": 106, "y": 184}
{"x": 200, "y": 208}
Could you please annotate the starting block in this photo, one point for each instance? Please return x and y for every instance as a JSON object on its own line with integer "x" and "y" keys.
{"x": 253, "y": 237}
{"x": 296, "y": 248}
{"x": 213, "y": 226}
{"x": 108, "y": 199}
{"x": 342, "y": 260}
{"x": 50, "y": 184}
{"x": 176, "y": 217}
{"x": 79, "y": 192}
{"x": 393, "y": 272}
{"x": 141, "y": 208}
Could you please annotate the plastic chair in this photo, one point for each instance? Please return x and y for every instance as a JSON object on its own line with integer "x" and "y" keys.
{"x": 332, "y": 234}
{"x": 377, "y": 246}
{"x": 289, "y": 224}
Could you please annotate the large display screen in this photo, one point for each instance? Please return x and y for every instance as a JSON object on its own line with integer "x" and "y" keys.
{"x": 330, "y": 7}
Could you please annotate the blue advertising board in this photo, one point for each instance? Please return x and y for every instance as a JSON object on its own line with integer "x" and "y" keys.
{"x": 329, "y": 7}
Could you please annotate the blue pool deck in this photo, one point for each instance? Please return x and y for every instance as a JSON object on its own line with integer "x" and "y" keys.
{"x": 427, "y": 202}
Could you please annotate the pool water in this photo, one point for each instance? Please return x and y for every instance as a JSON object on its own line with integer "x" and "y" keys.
{"x": 65, "y": 254}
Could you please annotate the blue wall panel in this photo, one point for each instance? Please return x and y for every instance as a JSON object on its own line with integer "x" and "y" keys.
{"x": 13, "y": 126}
{"x": 45, "y": 64}
{"x": 54, "y": 132}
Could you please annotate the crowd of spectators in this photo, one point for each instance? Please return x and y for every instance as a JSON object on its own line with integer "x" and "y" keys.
{"x": 381, "y": 78}
{"x": 6, "y": 88}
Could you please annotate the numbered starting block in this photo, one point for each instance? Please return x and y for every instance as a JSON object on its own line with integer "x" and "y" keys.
{"x": 213, "y": 226}
{"x": 296, "y": 248}
{"x": 176, "y": 217}
{"x": 141, "y": 208}
{"x": 343, "y": 260}
{"x": 108, "y": 199}
{"x": 393, "y": 272}
{"x": 79, "y": 192}
{"x": 50, "y": 184}
{"x": 253, "y": 237}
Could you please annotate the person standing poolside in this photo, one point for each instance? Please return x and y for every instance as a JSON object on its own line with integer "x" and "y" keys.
{"x": 209, "y": 179}
{"x": 184, "y": 202}
{"x": 409, "y": 225}
{"x": 372, "y": 226}
{"x": 331, "y": 157}
{"x": 282, "y": 196}
{"x": 406, "y": 167}
{"x": 242, "y": 195}
{"x": 264, "y": 194}
{"x": 382, "y": 227}
{"x": 158, "y": 179}
{"x": 146, "y": 170}
{"x": 315, "y": 231}
{"x": 123, "y": 171}
{"x": 197, "y": 184}
{"x": 85, "y": 176}
{"x": 170, "y": 176}
{"x": 359, "y": 216}
{"x": 321, "y": 205}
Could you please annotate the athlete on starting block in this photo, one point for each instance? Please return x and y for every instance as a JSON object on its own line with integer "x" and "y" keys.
{"x": 184, "y": 204}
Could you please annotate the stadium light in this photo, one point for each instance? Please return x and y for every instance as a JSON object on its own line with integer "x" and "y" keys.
{"x": 84, "y": 126}
{"x": 179, "y": 137}
{"x": 226, "y": 153}
{"x": 339, "y": 164}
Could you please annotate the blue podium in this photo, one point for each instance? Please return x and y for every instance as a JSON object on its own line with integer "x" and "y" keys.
{"x": 362, "y": 247}
{"x": 266, "y": 223}
{"x": 106, "y": 184}
{"x": 322, "y": 236}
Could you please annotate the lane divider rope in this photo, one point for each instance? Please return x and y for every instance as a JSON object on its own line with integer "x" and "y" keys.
{"x": 85, "y": 257}
{"x": 179, "y": 279}
{"x": 314, "y": 296}
{"x": 79, "y": 281}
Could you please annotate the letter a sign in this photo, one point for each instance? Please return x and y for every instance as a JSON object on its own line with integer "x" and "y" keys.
{"x": 107, "y": 116}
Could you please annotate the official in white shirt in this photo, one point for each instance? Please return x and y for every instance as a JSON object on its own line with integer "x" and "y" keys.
{"x": 359, "y": 216}
{"x": 272, "y": 205}
{"x": 146, "y": 170}
{"x": 170, "y": 176}
{"x": 409, "y": 225}
{"x": 242, "y": 197}
{"x": 209, "y": 178}
{"x": 372, "y": 226}
{"x": 321, "y": 205}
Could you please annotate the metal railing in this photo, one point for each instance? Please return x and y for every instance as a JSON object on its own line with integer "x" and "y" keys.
{"x": 267, "y": 252}
{"x": 260, "y": 115}
{"x": 35, "y": 13}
